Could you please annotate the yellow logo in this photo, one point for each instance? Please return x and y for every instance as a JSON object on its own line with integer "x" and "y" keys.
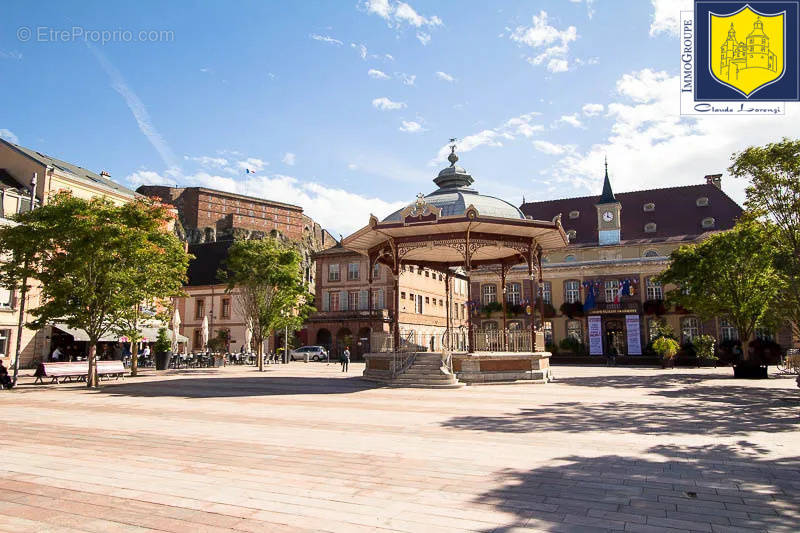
{"x": 747, "y": 49}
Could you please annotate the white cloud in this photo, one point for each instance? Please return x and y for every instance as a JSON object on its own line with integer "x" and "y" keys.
{"x": 326, "y": 39}
{"x": 147, "y": 177}
{"x": 589, "y": 6}
{"x": 10, "y": 54}
{"x": 139, "y": 112}
{"x": 352, "y": 166}
{"x": 423, "y": 37}
{"x": 361, "y": 49}
{"x": 289, "y": 159}
{"x": 377, "y": 74}
{"x": 592, "y": 110}
{"x": 388, "y": 57}
{"x": 572, "y": 120}
{"x": 207, "y": 161}
{"x": 509, "y": 130}
{"x": 550, "y": 43}
{"x": 408, "y": 79}
{"x": 405, "y": 13}
{"x": 410, "y": 126}
{"x": 253, "y": 164}
{"x": 385, "y": 104}
{"x": 444, "y": 76}
{"x": 650, "y": 145}
{"x": 553, "y": 149}
{"x": 397, "y": 14}
{"x": 666, "y": 16}
{"x": 9, "y": 135}
{"x": 382, "y": 8}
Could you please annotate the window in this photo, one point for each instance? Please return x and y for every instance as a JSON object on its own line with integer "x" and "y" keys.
{"x": 333, "y": 299}
{"x": 427, "y": 273}
{"x": 353, "y": 271}
{"x": 418, "y": 308}
{"x": 572, "y": 234}
{"x": 427, "y": 300}
{"x": 378, "y": 299}
{"x": 463, "y": 310}
{"x": 650, "y": 227}
{"x": 569, "y": 259}
{"x": 612, "y": 289}
{"x": 727, "y": 331}
{"x": 708, "y": 222}
{"x": 226, "y": 308}
{"x": 376, "y": 271}
{"x": 6, "y": 298}
{"x": 333, "y": 272}
{"x": 402, "y": 296}
{"x": 490, "y": 325}
{"x": 489, "y": 293}
{"x": 702, "y": 201}
{"x": 548, "y": 332}
{"x": 651, "y": 253}
{"x": 197, "y": 344}
{"x": 352, "y": 300}
{"x": 575, "y": 330}
{"x": 574, "y": 214}
{"x": 513, "y": 293}
{"x": 441, "y": 303}
{"x": 572, "y": 291}
{"x": 765, "y": 335}
{"x": 690, "y": 328}
{"x": 654, "y": 290}
{"x": 547, "y": 292}
{"x": 199, "y": 308}
{"x": 649, "y": 207}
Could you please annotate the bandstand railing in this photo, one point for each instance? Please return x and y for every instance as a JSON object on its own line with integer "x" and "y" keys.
{"x": 502, "y": 340}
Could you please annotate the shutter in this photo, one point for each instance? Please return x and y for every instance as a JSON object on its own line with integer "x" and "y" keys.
{"x": 343, "y": 303}
{"x": 326, "y": 301}
{"x": 363, "y": 300}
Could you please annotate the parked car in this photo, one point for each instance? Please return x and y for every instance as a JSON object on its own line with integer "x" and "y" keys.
{"x": 306, "y": 353}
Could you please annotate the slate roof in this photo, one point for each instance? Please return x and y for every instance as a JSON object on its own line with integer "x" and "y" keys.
{"x": 208, "y": 259}
{"x": 676, "y": 214}
{"x": 87, "y": 176}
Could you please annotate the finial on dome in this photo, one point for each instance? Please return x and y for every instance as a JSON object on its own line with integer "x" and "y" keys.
{"x": 452, "y": 157}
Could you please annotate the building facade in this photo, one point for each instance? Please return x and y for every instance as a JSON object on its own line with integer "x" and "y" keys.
{"x": 346, "y": 316}
{"x": 604, "y": 280}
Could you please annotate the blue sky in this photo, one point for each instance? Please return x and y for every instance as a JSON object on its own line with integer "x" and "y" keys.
{"x": 345, "y": 108}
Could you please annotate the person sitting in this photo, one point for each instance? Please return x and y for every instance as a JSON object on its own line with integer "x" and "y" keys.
{"x": 56, "y": 355}
{"x": 5, "y": 380}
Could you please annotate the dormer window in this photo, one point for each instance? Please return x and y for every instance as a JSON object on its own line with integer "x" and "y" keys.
{"x": 702, "y": 201}
{"x": 651, "y": 253}
{"x": 650, "y": 227}
{"x": 574, "y": 214}
{"x": 708, "y": 222}
{"x": 649, "y": 207}
{"x": 572, "y": 234}
{"x": 569, "y": 259}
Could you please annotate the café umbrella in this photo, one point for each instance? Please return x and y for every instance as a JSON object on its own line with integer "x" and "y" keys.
{"x": 204, "y": 332}
{"x": 176, "y": 326}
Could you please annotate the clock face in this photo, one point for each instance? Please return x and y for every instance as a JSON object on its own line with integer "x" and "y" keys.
{"x": 608, "y": 216}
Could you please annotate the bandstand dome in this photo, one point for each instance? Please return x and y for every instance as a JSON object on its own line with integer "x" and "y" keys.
{"x": 455, "y": 195}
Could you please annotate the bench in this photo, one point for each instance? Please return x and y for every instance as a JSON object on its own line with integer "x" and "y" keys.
{"x": 77, "y": 370}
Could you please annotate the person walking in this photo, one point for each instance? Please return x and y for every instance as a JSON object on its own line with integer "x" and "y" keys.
{"x": 345, "y": 358}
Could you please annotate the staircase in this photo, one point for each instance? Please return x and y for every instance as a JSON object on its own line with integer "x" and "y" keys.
{"x": 427, "y": 372}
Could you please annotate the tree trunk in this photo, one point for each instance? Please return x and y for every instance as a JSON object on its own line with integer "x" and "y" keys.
{"x": 260, "y": 354}
{"x": 746, "y": 350}
{"x": 91, "y": 378}
{"x": 134, "y": 359}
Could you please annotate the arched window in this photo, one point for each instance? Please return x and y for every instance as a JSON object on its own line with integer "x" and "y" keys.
{"x": 651, "y": 253}
{"x": 649, "y": 207}
{"x": 489, "y": 293}
{"x": 513, "y": 293}
{"x": 708, "y": 222}
{"x": 654, "y": 290}
{"x": 574, "y": 214}
{"x": 690, "y": 328}
{"x": 702, "y": 201}
{"x": 650, "y": 227}
{"x": 572, "y": 291}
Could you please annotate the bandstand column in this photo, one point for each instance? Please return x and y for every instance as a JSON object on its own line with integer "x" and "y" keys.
{"x": 370, "y": 303}
{"x": 503, "y": 295}
{"x": 396, "y": 325}
{"x": 470, "y": 342}
{"x": 447, "y": 303}
{"x": 532, "y": 308}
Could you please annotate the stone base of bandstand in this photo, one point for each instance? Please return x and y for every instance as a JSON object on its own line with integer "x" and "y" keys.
{"x": 478, "y": 368}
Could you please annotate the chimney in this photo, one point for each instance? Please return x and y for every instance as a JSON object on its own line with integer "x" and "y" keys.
{"x": 715, "y": 180}
{"x": 105, "y": 174}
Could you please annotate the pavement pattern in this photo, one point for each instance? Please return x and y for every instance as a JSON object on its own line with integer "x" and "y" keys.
{"x": 304, "y": 447}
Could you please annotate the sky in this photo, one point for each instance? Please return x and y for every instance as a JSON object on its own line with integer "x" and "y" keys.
{"x": 346, "y": 108}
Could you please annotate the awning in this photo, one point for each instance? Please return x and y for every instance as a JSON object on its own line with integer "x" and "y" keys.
{"x": 151, "y": 334}
{"x": 80, "y": 336}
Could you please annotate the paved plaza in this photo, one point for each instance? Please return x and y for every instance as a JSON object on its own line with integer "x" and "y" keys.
{"x": 303, "y": 447}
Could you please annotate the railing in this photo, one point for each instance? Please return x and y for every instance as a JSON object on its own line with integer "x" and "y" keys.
{"x": 502, "y": 340}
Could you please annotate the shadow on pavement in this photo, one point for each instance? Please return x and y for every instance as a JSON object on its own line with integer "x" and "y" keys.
{"x": 688, "y": 488}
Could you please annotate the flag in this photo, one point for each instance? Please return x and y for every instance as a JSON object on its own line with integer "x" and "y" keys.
{"x": 248, "y": 171}
{"x": 589, "y": 303}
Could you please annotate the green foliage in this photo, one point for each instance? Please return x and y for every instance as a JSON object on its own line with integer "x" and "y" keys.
{"x": 267, "y": 283}
{"x": 162, "y": 343}
{"x": 572, "y": 310}
{"x": 492, "y": 307}
{"x": 662, "y": 329}
{"x": 774, "y": 197}
{"x": 704, "y": 347}
{"x": 665, "y": 347}
{"x": 571, "y": 344}
{"x": 220, "y": 341}
{"x": 95, "y": 261}
{"x": 729, "y": 274}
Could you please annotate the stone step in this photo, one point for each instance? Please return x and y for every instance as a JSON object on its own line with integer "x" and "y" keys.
{"x": 455, "y": 385}
{"x": 420, "y": 382}
{"x": 423, "y": 375}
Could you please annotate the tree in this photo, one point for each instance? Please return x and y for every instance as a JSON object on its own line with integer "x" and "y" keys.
{"x": 774, "y": 196}
{"x": 268, "y": 287}
{"x": 729, "y": 274}
{"x": 93, "y": 261}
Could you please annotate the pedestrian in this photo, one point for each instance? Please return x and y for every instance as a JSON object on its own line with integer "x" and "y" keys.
{"x": 5, "y": 381}
{"x": 56, "y": 355}
{"x": 345, "y": 358}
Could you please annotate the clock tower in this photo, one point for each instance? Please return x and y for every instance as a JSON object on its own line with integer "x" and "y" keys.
{"x": 608, "y": 215}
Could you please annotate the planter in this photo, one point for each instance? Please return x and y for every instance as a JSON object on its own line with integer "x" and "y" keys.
{"x": 667, "y": 362}
{"x": 162, "y": 360}
{"x": 749, "y": 370}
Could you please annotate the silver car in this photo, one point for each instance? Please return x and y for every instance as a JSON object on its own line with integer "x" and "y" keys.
{"x": 306, "y": 353}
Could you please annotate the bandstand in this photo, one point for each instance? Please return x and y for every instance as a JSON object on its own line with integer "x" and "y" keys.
{"x": 452, "y": 229}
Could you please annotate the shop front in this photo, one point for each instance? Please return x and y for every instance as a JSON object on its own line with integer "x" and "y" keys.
{"x": 615, "y": 329}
